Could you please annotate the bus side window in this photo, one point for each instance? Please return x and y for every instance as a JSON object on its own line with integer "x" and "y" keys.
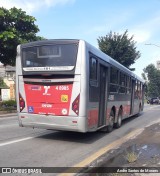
{"x": 93, "y": 69}
{"x": 114, "y": 76}
{"x": 113, "y": 80}
{"x": 136, "y": 90}
{"x": 141, "y": 90}
{"x": 93, "y": 80}
{"x": 122, "y": 83}
{"x": 128, "y": 85}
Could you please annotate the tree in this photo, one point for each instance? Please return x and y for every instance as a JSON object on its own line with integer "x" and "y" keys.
{"x": 120, "y": 47}
{"x": 16, "y": 27}
{"x": 152, "y": 77}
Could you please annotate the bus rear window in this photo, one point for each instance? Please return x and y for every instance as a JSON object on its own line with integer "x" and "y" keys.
{"x": 49, "y": 56}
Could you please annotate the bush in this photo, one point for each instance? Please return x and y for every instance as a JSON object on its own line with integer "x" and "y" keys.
{"x": 8, "y": 104}
{"x": 8, "y": 109}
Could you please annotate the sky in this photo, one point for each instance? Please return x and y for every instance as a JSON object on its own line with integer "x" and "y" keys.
{"x": 91, "y": 19}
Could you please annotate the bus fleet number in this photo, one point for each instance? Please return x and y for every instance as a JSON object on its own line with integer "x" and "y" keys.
{"x": 62, "y": 87}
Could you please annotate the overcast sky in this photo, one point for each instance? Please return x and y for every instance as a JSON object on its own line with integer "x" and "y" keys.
{"x": 89, "y": 19}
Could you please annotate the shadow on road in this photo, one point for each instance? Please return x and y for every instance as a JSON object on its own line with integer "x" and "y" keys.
{"x": 87, "y": 138}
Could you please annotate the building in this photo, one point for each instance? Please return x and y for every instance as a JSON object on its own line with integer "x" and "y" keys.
{"x": 2, "y": 71}
{"x": 8, "y": 73}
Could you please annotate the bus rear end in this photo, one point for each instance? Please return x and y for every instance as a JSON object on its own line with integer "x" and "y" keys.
{"x": 49, "y": 83}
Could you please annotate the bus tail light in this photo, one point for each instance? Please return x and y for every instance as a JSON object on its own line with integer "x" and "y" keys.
{"x": 75, "y": 105}
{"x": 21, "y": 102}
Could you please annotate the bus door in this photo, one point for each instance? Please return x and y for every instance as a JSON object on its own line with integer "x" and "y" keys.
{"x": 143, "y": 91}
{"x": 102, "y": 95}
{"x": 132, "y": 96}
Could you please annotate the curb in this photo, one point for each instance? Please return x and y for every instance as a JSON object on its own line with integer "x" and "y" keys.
{"x": 98, "y": 154}
{"x": 8, "y": 113}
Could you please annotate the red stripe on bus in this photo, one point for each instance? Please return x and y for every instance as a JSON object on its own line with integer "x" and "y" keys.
{"x": 92, "y": 117}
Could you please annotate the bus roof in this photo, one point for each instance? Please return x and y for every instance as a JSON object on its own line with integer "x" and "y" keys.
{"x": 93, "y": 49}
{"x": 50, "y": 41}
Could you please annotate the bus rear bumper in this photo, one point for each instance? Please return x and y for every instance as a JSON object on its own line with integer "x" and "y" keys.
{"x": 65, "y": 123}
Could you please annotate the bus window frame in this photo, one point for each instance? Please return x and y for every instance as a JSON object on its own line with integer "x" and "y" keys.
{"x": 120, "y": 82}
{"x": 128, "y": 85}
{"x": 93, "y": 82}
{"x": 111, "y": 83}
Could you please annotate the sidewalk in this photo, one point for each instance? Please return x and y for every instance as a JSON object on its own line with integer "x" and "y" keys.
{"x": 143, "y": 152}
{"x": 7, "y": 114}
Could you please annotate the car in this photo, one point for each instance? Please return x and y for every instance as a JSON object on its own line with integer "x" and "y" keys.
{"x": 154, "y": 100}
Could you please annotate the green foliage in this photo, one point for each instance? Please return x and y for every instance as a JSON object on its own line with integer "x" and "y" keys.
{"x": 3, "y": 84}
{"x": 8, "y": 103}
{"x": 152, "y": 77}
{"x": 16, "y": 27}
{"x": 131, "y": 157}
{"x": 120, "y": 47}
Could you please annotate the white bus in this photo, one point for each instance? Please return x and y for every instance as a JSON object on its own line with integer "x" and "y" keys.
{"x": 70, "y": 85}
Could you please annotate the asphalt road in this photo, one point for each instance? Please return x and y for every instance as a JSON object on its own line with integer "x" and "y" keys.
{"x": 26, "y": 147}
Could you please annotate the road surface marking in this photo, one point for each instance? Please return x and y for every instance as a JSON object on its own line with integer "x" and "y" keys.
{"x": 26, "y": 138}
{"x": 154, "y": 122}
{"x": 102, "y": 151}
{"x": 15, "y": 141}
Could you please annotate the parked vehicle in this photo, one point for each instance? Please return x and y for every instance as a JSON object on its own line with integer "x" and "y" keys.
{"x": 155, "y": 100}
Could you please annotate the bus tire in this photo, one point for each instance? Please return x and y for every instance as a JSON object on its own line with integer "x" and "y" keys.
{"x": 119, "y": 119}
{"x": 109, "y": 128}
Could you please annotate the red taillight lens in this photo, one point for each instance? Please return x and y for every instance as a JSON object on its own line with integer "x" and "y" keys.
{"x": 75, "y": 105}
{"x": 21, "y": 103}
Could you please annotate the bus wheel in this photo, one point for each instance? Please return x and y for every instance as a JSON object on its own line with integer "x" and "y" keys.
{"x": 109, "y": 128}
{"x": 119, "y": 119}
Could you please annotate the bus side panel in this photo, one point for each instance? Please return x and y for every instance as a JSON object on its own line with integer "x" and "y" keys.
{"x": 137, "y": 97}
{"x": 92, "y": 119}
{"x": 19, "y": 83}
{"x": 81, "y": 67}
{"x": 117, "y": 101}
{"x": 92, "y": 95}
{"x": 18, "y": 72}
